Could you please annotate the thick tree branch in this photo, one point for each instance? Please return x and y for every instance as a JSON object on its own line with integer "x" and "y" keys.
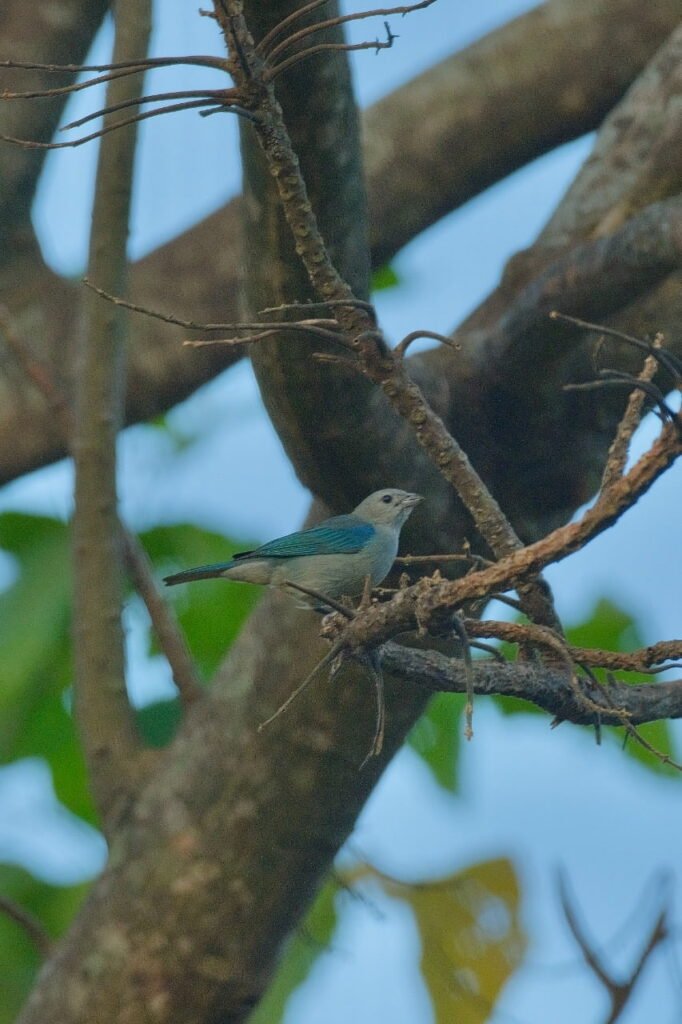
{"x": 143, "y": 937}
{"x": 549, "y": 92}
{"x": 542, "y": 79}
{"x": 545, "y": 687}
{"x": 65, "y": 38}
{"x": 105, "y": 719}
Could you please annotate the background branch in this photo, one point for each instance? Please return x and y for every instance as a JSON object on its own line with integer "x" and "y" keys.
{"x": 104, "y": 716}
{"x": 548, "y": 91}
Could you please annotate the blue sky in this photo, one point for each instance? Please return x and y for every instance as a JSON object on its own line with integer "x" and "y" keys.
{"x": 546, "y": 798}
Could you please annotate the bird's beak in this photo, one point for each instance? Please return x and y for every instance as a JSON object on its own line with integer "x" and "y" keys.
{"x": 412, "y": 500}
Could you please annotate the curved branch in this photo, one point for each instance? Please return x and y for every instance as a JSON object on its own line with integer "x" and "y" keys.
{"x": 543, "y": 79}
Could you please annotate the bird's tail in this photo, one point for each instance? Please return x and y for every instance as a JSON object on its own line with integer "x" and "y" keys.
{"x": 202, "y": 572}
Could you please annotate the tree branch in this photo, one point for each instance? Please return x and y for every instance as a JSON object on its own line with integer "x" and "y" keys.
{"x": 105, "y": 719}
{"x": 30, "y": 924}
{"x": 544, "y": 686}
{"x": 522, "y": 77}
{"x": 619, "y": 992}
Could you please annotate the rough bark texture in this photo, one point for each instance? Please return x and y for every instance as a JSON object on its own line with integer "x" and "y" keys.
{"x": 228, "y": 842}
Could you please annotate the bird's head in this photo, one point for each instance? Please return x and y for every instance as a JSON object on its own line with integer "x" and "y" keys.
{"x": 389, "y": 507}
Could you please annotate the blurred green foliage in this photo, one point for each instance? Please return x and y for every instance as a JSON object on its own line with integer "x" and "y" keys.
{"x": 436, "y": 737}
{"x": 384, "y": 278}
{"x": 471, "y": 936}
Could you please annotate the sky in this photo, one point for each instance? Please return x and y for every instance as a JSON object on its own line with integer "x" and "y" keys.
{"x": 545, "y": 798}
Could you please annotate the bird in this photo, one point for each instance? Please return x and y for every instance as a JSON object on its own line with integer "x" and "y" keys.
{"x": 333, "y": 558}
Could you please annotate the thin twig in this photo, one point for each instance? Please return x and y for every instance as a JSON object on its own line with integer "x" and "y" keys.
{"x": 296, "y": 37}
{"x": 220, "y": 96}
{"x": 328, "y": 658}
{"x": 470, "y": 559}
{"x": 667, "y": 359}
{"x": 620, "y": 446}
{"x": 313, "y": 327}
{"x": 402, "y": 346}
{"x": 33, "y": 927}
{"x": 619, "y": 992}
{"x": 352, "y": 303}
{"x": 143, "y": 64}
{"x": 170, "y": 637}
{"x": 172, "y": 108}
{"x": 375, "y": 44}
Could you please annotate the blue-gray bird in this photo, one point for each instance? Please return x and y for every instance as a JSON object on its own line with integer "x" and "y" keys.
{"x": 333, "y": 558}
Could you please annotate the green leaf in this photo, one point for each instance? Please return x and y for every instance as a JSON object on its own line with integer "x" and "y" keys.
{"x": 35, "y": 639}
{"x": 35, "y": 621}
{"x": 210, "y": 612}
{"x": 471, "y": 934}
{"x": 436, "y": 737}
{"x": 19, "y": 960}
{"x": 303, "y": 949}
{"x": 384, "y": 278}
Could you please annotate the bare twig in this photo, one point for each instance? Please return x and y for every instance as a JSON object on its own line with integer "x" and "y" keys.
{"x": 267, "y": 49}
{"x": 318, "y": 328}
{"x": 667, "y": 359}
{"x": 170, "y": 637}
{"x": 327, "y": 660}
{"x": 620, "y": 446}
{"x": 33, "y": 927}
{"x": 223, "y": 97}
{"x": 619, "y": 992}
{"x": 402, "y": 346}
{"x": 375, "y": 44}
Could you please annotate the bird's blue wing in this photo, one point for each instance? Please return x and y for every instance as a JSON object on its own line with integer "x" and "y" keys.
{"x": 341, "y": 535}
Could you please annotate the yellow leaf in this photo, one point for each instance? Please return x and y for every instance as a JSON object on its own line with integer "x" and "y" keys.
{"x": 472, "y": 939}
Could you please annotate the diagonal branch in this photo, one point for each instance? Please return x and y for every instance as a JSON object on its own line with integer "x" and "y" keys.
{"x": 376, "y": 361}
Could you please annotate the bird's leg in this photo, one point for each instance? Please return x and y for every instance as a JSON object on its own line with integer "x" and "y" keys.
{"x": 325, "y": 603}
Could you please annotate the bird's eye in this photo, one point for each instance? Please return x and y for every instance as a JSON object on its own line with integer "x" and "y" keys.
{"x": 387, "y": 499}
